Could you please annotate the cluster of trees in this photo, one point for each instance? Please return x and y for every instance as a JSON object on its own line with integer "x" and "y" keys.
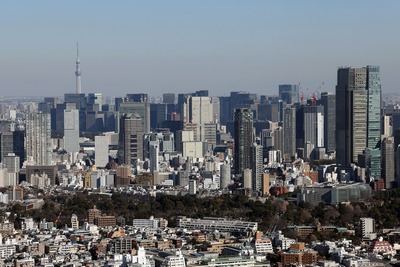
{"x": 166, "y": 206}
{"x": 384, "y": 207}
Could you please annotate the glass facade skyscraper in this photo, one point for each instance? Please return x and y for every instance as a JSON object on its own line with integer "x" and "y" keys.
{"x": 328, "y": 100}
{"x": 243, "y": 139}
{"x": 374, "y": 106}
{"x": 358, "y": 109}
{"x": 289, "y": 93}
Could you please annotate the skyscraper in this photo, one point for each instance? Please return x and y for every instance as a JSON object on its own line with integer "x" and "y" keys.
{"x": 313, "y": 127}
{"x": 95, "y": 101}
{"x": 197, "y": 111}
{"x": 139, "y": 108}
{"x": 12, "y": 142}
{"x": 154, "y": 150}
{"x": 397, "y": 165}
{"x": 358, "y": 101}
{"x": 243, "y": 139}
{"x": 289, "y": 93}
{"x": 38, "y": 138}
{"x": 278, "y": 140}
{"x": 158, "y": 114}
{"x": 374, "y": 107}
{"x": 396, "y": 119}
{"x": 79, "y": 99}
{"x": 225, "y": 174}
{"x": 138, "y": 97}
{"x": 71, "y": 130}
{"x": 216, "y": 108}
{"x": 130, "y": 139}
{"x": 11, "y": 162}
{"x": 289, "y": 132}
{"x": 328, "y": 101}
{"x": 359, "y": 122}
{"x": 200, "y": 93}
{"x": 101, "y": 148}
{"x": 169, "y": 98}
{"x": 241, "y": 100}
{"x": 388, "y": 162}
{"x": 373, "y": 163}
{"x": 396, "y": 138}
{"x": 257, "y": 167}
{"x": 210, "y": 135}
{"x": 268, "y": 112}
{"x": 225, "y": 109}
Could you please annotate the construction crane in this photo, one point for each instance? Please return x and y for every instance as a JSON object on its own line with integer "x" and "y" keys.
{"x": 301, "y": 93}
{"x": 58, "y": 218}
{"x": 316, "y": 95}
{"x": 313, "y": 99}
{"x": 320, "y": 87}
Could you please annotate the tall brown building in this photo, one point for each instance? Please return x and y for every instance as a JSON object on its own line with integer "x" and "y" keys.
{"x": 130, "y": 139}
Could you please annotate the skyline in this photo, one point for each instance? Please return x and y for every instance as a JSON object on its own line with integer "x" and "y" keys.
{"x": 182, "y": 47}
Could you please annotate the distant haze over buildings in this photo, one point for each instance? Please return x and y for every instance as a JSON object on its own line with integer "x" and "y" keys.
{"x": 180, "y": 46}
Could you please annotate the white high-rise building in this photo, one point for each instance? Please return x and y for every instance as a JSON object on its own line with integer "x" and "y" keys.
{"x": 387, "y": 126}
{"x": 8, "y": 178}
{"x": 313, "y": 128}
{"x": 216, "y": 108}
{"x": 101, "y": 150}
{"x": 192, "y": 187}
{"x": 38, "y": 138}
{"x": 197, "y": 110}
{"x": 247, "y": 179}
{"x": 11, "y": 162}
{"x": 154, "y": 150}
{"x": 71, "y": 131}
{"x": 183, "y": 136}
{"x": 225, "y": 174}
{"x": 257, "y": 167}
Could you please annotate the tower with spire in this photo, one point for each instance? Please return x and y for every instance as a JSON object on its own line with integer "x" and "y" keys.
{"x": 78, "y": 71}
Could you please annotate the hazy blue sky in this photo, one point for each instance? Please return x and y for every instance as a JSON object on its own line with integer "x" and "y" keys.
{"x": 183, "y": 46}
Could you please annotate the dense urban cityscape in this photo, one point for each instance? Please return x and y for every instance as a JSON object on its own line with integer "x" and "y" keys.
{"x": 199, "y": 133}
{"x": 297, "y": 178}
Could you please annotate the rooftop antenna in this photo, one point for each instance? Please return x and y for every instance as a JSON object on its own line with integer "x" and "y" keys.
{"x": 77, "y": 50}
